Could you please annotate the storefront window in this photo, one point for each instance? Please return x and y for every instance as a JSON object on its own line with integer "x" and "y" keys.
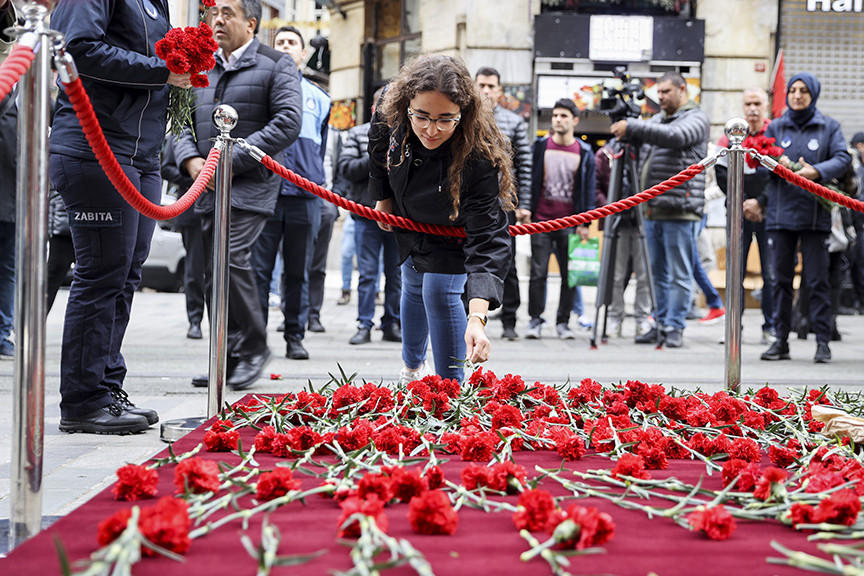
{"x": 648, "y": 7}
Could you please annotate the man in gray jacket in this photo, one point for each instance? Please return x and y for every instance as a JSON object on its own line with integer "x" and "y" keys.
{"x": 670, "y": 142}
{"x": 263, "y": 86}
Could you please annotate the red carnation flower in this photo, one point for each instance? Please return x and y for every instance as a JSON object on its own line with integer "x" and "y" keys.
{"x": 749, "y": 473}
{"x": 717, "y": 523}
{"x": 535, "y": 509}
{"x": 378, "y": 484}
{"x": 765, "y": 486}
{"x": 407, "y": 484}
{"x": 781, "y": 457}
{"x": 432, "y": 514}
{"x": 197, "y": 476}
{"x": 166, "y": 524}
{"x": 272, "y": 485}
{"x": 135, "y": 482}
{"x": 801, "y": 513}
{"x": 507, "y": 416}
{"x": 570, "y": 447}
{"x": 435, "y": 477}
{"x": 479, "y": 447}
{"x": 841, "y": 507}
{"x": 199, "y": 80}
{"x": 580, "y": 527}
{"x": 110, "y": 528}
{"x": 745, "y": 449}
{"x": 371, "y": 507}
{"x": 216, "y": 441}
{"x": 630, "y": 465}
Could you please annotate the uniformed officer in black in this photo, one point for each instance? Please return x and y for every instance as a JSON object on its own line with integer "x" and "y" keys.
{"x": 113, "y": 44}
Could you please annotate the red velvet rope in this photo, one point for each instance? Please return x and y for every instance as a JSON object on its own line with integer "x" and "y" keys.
{"x": 93, "y": 132}
{"x": 516, "y": 230}
{"x": 818, "y": 189}
{"x": 15, "y": 65}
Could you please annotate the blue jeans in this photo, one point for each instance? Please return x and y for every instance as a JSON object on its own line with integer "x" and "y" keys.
{"x": 712, "y": 297}
{"x": 7, "y": 279}
{"x": 439, "y": 297}
{"x": 373, "y": 245}
{"x": 349, "y": 249}
{"x": 578, "y": 307}
{"x": 111, "y": 242}
{"x": 670, "y": 252}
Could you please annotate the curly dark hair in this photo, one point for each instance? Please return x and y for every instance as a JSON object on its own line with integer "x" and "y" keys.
{"x": 476, "y": 134}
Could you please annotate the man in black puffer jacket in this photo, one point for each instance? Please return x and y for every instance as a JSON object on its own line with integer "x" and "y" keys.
{"x": 263, "y": 86}
{"x": 670, "y": 142}
{"x": 512, "y": 125}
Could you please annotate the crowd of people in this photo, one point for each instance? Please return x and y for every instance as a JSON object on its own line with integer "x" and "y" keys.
{"x": 439, "y": 149}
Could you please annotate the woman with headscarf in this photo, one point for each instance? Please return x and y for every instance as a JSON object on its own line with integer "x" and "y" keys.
{"x": 794, "y": 215}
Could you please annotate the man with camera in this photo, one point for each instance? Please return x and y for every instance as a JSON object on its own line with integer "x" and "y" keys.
{"x": 670, "y": 142}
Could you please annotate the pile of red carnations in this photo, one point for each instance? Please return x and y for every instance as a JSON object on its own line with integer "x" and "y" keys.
{"x": 378, "y": 451}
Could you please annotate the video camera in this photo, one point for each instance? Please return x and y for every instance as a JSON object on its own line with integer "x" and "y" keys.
{"x": 619, "y": 103}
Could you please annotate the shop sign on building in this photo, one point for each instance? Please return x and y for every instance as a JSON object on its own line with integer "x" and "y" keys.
{"x": 835, "y": 5}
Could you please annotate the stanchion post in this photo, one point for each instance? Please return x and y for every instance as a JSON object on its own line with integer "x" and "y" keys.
{"x": 736, "y": 130}
{"x": 225, "y": 119}
{"x": 28, "y": 413}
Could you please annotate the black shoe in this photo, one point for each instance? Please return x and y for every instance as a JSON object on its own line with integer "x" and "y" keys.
{"x": 111, "y": 419}
{"x": 823, "y": 353}
{"x": 201, "y": 381}
{"x": 509, "y": 333}
{"x": 121, "y": 398}
{"x": 248, "y": 370}
{"x": 675, "y": 338}
{"x": 194, "y": 332}
{"x": 362, "y": 336}
{"x": 649, "y": 337}
{"x": 835, "y": 334}
{"x": 315, "y": 325}
{"x": 392, "y": 333}
{"x": 779, "y": 350}
{"x": 294, "y": 349}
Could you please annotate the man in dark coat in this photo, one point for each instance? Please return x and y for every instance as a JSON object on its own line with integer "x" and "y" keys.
{"x": 262, "y": 85}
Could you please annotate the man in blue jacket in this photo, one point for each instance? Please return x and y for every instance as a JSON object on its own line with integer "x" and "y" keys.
{"x": 298, "y": 215}
{"x": 261, "y": 85}
{"x": 113, "y": 44}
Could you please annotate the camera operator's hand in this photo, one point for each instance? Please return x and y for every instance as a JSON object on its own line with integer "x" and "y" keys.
{"x": 523, "y": 216}
{"x": 619, "y": 129}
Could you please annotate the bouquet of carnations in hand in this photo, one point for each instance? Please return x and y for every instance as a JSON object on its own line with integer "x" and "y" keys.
{"x": 187, "y": 50}
{"x": 765, "y": 146}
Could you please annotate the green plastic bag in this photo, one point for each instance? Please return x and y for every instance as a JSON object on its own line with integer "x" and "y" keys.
{"x": 583, "y": 266}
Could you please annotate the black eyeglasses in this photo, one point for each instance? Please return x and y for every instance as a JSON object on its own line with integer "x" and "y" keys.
{"x": 443, "y": 124}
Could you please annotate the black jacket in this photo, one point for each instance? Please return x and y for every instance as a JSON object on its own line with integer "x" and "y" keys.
{"x": 264, "y": 89}
{"x": 583, "y": 187}
{"x": 516, "y": 129}
{"x": 8, "y": 129}
{"x": 113, "y": 44}
{"x": 416, "y": 180}
{"x": 670, "y": 144}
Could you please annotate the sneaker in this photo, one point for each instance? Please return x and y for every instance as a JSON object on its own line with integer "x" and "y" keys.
{"x": 111, "y": 419}
{"x": 564, "y": 332}
{"x": 274, "y": 301}
{"x": 534, "y": 328}
{"x": 713, "y": 316}
{"x": 643, "y": 327}
{"x": 585, "y": 322}
{"x": 615, "y": 328}
{"x": 768, "y": 337}
{"x": 122, "y": 399}
{"x": 407, "y": 376}
{"x": 345, "y": 298}
{"x": 509, "y": 333}
{"x": 779, "y": 350}
{"x": 675, "y": 338}
{"x": 823, "y": 353}
{"x": 7, "y": 350}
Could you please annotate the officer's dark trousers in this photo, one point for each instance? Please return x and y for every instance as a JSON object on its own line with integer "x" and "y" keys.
{"x": 111, "y": 243}
{"x": 814, "y": 252}
{"x": 193, "y": 274}
{"x": 246, "y": 330}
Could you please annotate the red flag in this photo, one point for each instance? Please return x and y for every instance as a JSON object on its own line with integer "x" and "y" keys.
{"x": 778, "y": 86}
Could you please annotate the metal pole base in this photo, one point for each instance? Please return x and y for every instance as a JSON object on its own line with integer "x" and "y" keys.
{"x": 173, "y": 430}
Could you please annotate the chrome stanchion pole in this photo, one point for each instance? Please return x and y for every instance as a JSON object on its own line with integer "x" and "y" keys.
{"x": 28, "y": 413}
{"x": 225, "y": 119}
{"x": 736, "y": 130}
